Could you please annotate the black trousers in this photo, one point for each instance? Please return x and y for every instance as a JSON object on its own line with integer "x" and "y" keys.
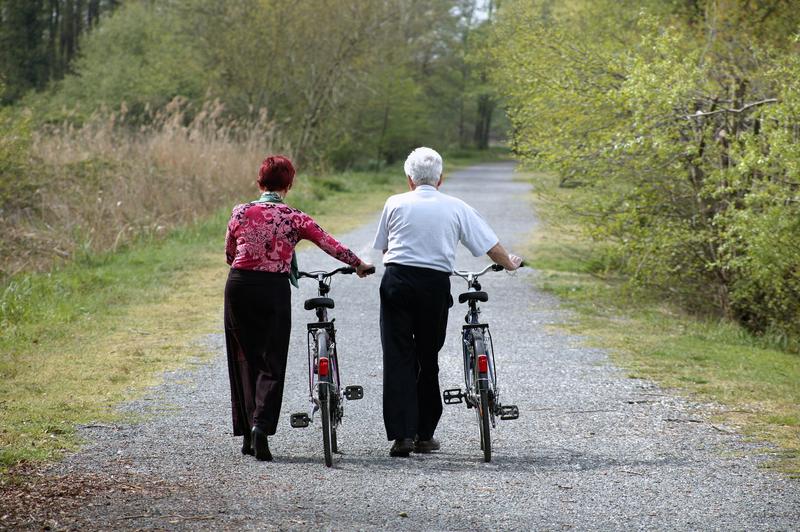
{"x": 414, "y": 307}
{"x": 258, "y": 318}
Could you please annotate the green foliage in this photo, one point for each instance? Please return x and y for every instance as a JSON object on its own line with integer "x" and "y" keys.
{"x": 685, "y": 127}
{"x": 356, "y": 90}
{"x": 39, "y": 39}
{"x": 18, "y": 179}
{"x": 135, "y": 59}
{"x": 716, "y": 360}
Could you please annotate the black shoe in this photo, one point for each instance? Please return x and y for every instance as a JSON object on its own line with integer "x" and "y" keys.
{"x": 260, "y": 445}
{"x": 426, "y": 446}
{"x": 247, "y": 446}
{"x": 402, "y": 447}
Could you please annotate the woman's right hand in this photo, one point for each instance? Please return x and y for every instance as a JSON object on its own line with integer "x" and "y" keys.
{"x": 364, "y": 269}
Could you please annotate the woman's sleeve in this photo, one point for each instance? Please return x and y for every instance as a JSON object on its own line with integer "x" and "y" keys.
{"x": 309, "y": 229}
{"x": 230, "y": 241}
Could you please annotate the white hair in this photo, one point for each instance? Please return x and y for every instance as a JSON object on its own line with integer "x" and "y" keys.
{"x": 424, "y": 166}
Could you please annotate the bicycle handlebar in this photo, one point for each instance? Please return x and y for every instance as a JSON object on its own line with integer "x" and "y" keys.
{"x": 344, "y": 270}
{"x": 316, "y": 274}
{"x": 475, "y": 275}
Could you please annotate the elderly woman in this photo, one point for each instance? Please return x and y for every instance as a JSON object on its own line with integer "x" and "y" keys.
{"x": 259, "y": 247}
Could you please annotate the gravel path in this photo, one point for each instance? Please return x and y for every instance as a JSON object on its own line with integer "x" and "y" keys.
{"x": 592, "y": 449}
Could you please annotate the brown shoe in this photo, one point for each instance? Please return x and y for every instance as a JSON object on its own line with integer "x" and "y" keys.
{"x": 426, "y": 446}
{"x": 402, "y": 447}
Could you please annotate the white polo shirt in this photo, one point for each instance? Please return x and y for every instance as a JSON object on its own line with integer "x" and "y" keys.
{"x": 423, "y": 227}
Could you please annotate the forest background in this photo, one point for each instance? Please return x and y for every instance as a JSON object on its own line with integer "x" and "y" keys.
{"x": 668, "y": 131}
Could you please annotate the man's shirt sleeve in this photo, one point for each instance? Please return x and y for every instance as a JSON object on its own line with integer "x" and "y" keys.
{"x": 381, "y": 241}
{"x": 476, "y": 234}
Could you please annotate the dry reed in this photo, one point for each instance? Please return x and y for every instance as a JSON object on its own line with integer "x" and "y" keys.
{"x": 110, "y": 181}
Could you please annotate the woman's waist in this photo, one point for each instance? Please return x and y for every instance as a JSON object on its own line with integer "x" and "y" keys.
{"x": 237, "y": 272}
{"x": 248, "y": 262}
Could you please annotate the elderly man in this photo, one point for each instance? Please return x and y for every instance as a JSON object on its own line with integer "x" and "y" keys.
{"x": 418, "y": 233}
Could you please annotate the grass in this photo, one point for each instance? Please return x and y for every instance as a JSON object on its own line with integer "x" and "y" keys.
{"x": 93, "y": 189}
{"x": 77, "y": 341}
{"x": 754, "y": 382}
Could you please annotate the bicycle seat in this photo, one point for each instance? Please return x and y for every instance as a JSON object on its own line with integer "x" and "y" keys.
{"x": 317, "y": 302}
{"x": 469, "y": 296}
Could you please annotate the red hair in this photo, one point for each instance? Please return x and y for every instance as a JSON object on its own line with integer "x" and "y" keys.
{"x": 276, "y": 173}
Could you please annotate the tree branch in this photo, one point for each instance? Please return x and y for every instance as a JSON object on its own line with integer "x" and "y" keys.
{"x": 744, "y": 108}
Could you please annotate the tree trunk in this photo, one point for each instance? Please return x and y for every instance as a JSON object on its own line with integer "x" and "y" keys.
{"x": 483, "y": 124}
{"x": 92, "y": 14}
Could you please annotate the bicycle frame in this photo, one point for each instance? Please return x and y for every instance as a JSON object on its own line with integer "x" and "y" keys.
{"x": 324, "y": 385}
{"x": 476, "y": 343}
{"x": 480, "y": 376}
{"x": 323, "y": 363}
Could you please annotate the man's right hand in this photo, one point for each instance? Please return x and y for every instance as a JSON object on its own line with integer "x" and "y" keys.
{"x": 500, "y": 256}
{"x": 514, "y": 261}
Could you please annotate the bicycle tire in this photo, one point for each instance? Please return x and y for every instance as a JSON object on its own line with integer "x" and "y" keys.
{"x": 483, "y": 419}
{"x": 482, "y": 408}
{"x": 325, "y": 414}
{"x": 334, "y": 422}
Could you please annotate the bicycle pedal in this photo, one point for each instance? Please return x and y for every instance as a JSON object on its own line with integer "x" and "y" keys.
{"x": 299, "y": 420}
{"x": 453, "y": 396}
{"x": 353, "y": 392}
{"x": 509, "y": 412}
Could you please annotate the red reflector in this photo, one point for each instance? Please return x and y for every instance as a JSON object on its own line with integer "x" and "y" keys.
{"x": 324, "y": 367}
{"x": 483, "y": 363}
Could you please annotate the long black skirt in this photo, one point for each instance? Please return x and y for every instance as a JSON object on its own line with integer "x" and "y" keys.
{"x": 258, "y": 317}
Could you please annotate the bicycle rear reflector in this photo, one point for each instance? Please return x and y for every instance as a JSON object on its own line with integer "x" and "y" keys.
{"x": 483, "y": 363}
{"x": 324, "y": 367}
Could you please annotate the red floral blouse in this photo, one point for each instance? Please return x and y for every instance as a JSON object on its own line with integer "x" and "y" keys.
{"x": 262, "y": 236}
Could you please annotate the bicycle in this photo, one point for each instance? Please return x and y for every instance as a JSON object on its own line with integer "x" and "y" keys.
{"x": 480, "y": 375}
{"x": 324, "y": 390}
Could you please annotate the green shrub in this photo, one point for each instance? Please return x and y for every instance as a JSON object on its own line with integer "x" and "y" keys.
{"x": 135, "y": 59}
{"x": 18, "y": 174}
{"x": 690, "y": 146}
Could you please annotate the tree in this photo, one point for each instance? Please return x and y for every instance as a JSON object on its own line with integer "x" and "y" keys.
{"x": 684, "y": 121}
{"x": 40, "y": 38}
{"x": 135, "y": 58}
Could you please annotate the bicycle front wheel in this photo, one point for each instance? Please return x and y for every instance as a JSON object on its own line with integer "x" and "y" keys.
{"x": 327, "y": 426}
{"x": 483, "y": 422}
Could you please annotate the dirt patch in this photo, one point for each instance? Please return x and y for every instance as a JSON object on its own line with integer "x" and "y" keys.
{"x": 33, "y": 499}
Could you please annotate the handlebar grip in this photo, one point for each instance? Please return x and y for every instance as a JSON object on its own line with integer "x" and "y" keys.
{"x": 497, "y": 268}
{"x": 347, "y": 270}
{"x": 370, "y": 271}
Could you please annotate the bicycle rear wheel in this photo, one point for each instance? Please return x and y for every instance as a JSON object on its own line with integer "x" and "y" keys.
{"x": 484, "y": 423}
{"x": 483, "y": 409}
{"x": 334, "y": 419}
{"x": 327, "y": 426}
